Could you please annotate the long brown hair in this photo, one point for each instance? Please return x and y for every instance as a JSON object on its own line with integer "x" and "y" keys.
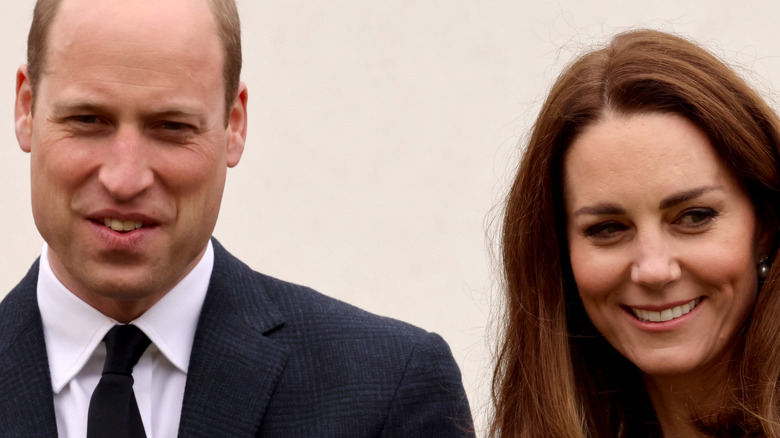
{"x": 555, "y": 375}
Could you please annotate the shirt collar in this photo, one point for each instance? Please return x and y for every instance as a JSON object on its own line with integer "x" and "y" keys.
{"x": 73, "y": 329}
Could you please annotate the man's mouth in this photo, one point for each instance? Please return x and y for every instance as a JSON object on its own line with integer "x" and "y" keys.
{"x": 666, "y": 314}
{"x": 122, "y": 226}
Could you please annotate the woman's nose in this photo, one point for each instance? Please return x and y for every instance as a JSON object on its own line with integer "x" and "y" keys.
{"x": 655, "y": 265}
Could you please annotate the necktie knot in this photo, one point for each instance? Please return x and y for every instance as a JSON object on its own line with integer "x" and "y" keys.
{"x": 124, "y": 346}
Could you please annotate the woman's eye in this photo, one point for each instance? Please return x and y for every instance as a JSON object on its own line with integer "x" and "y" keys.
{"x": 696, "y": 218}
{"x": 606, "y": 230}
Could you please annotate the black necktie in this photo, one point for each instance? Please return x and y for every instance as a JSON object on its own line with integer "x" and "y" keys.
{"x": 113, "y": 411}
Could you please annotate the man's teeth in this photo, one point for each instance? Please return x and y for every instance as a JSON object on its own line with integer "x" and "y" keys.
{"x": 667, "y": 314}
{"x": 117, "y": 225}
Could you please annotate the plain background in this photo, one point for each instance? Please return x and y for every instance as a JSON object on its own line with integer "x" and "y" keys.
{"x": 383, "y": 136}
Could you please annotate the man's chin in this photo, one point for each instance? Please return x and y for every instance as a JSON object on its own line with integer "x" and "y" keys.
{"x": 121, "y": 300}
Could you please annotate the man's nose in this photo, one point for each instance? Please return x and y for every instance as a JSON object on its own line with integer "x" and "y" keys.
{"x": 125, "y": 172}
{"x": 655, "y": 265}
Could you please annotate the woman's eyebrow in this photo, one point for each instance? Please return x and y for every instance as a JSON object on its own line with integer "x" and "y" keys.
{"x": 602, "y": 208}
{"x": 679, "y": 198}
{"x": 606, "y": 208}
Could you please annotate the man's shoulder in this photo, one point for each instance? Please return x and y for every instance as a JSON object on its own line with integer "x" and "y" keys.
{"x": 306, "y": 310}
{"x": 320, "y": 331}
{"x": 20, "y": 306}
{"x": 345, "y": 368}
{"x": 316, "y": 317}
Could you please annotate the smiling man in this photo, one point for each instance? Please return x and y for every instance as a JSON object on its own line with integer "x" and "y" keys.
{"x": 134, "y": 322}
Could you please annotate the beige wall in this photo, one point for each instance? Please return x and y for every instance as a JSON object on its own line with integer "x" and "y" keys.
{"x": 383, "y": 132}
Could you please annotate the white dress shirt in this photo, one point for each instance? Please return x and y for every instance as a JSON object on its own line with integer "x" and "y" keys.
{"x": 74, "y": 331}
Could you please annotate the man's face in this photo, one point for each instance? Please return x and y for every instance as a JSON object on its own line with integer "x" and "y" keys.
{"x": 129, "y": 146}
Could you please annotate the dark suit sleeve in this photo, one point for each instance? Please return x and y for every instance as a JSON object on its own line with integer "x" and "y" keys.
{"x": 430, "y": 400}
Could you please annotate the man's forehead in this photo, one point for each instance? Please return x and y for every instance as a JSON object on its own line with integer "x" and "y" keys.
{"x": 124, "y": 31}
{"x": 133, "y": 19}
{"x": 85, "y": 5}
{"x": 154, "y": 52}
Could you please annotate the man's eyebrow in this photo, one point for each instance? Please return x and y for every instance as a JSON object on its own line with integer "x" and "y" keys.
{"x": 173, "y": 112}
{"x": 79, "y": 107}
{"x": 602, "y": 208}
{"x": 177, "y": 114}
{"x": 87, "y": 107}
{"x": 687, "y": 195}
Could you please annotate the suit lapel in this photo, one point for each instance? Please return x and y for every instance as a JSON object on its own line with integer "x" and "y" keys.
{"x": 234, "y": 364}
{"x": 26, "y": 402}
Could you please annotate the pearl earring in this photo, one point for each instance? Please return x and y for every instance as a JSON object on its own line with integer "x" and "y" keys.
{"x": 763, "y": 268}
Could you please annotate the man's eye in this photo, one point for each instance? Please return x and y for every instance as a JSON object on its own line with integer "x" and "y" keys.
{"x": 86, "y": 120}
{"x": 174, "y": 126}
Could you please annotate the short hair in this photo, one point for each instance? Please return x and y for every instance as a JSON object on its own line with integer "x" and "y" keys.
{"x": 225, "y": 13}
{"x": 555, "y": 374}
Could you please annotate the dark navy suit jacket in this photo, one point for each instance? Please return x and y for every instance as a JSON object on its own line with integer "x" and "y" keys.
{"x": 270, "y": 359}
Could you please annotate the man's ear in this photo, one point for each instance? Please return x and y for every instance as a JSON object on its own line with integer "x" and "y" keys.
{"x": 237, "y": 123}
{"x": 23, "y": 109}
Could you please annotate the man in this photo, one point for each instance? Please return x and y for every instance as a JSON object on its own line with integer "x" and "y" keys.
{"x": 132, "y": 112}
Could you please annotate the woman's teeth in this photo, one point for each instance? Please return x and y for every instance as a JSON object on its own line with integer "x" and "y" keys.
{"x": 667, "y": 314}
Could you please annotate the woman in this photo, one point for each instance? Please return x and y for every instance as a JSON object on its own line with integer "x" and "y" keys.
{"x": 637, "y": 246}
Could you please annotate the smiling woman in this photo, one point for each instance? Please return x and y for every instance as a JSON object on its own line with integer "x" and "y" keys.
{"x": 636, "y": 247}
{"x": 667, "y": 272}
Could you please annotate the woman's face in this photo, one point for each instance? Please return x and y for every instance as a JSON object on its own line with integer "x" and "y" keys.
{"x": 662, "y": 240}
